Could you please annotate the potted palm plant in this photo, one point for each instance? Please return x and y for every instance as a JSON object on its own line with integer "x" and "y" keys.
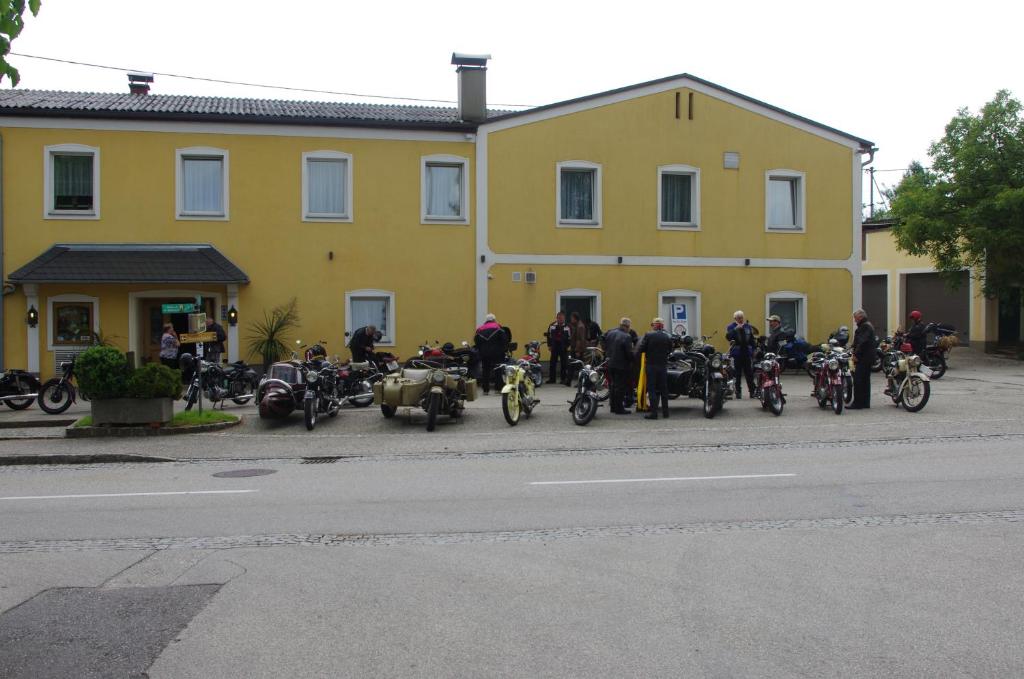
{"x": 268, "y": 337}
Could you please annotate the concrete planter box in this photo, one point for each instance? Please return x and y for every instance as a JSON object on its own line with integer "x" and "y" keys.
{"x": 132, "y": 411}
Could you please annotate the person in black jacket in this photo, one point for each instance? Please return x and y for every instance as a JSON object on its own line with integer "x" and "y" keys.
{"x": 743, "y": 338}
{"x": 864, "y": 352}
{"x": 491, "y": 342}
{"x": 362, "y": 342}
{"x": 559, "y": 336}
{"x": 657, "y": 344}
{"x": 917, "y": 335}
{"x": 618, "y": 350}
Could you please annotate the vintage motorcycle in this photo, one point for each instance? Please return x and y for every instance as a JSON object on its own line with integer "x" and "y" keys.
{"x": 697, "y": 370}
{"x": 58, "y": 393}
{"x": 767, "y": 376}
{"x": 321, "y": 394}
{"x": 356, "y": 379}
{"x": 518, "y": 396}
{"x": 587, "y": 399}
{"x": 282, "y": 390}
{"x": 439, "y": 385}
{"x": 532, "y": 357}
{"x": 18, "y": 389}
{"x": 218, "y": 383}
{"x": 828, "y": 377}
{"x": 906, "y": 385}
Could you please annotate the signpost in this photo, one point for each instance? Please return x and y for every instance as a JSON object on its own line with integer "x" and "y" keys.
{"x": 177, "y": 308}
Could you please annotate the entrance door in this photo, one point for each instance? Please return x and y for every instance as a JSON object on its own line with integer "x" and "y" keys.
{"x": 584, "y": 306}
{"x": 153, "y": 320}
{"x": 682, "y": 317}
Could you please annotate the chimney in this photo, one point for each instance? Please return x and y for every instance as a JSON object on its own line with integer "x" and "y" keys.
{"x": 472, "y": 70}
{"x": 138, "y": 83}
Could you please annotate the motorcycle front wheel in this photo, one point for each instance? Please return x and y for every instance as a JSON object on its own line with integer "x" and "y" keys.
{"x": 876, "y": 365}
{"x": 433, "y": 408}
{"x": 510, "y": 407}
{"x": 310, "y": 413}
{"x": 837, "y": 399}
{"x": 191, "y": 396}
{"x": 774, "y": 398}
{"x": 55, "y": 396}
{"x": 915, "y": 396}
{"x": 584, "y": 409}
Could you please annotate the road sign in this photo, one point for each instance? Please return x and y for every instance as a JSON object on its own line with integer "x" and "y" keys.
{"x": 177, "y": 308}
{"x": 194, "y": 337}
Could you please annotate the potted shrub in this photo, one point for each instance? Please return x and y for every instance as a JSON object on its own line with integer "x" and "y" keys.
{"x": 120, "y": 395}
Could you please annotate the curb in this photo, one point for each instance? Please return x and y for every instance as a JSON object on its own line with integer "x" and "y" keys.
{"x": 11, "y": 460}
{"x": 73, "y": 432}
{"x": 35, "y": 424}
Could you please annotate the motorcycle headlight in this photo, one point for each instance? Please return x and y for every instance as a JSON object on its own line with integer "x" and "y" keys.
{"x": 437, "y": 377}
{"x": 716, "y": 362}
{"x": 914, "y": 361}
{"x": 510, "y": 370}
{"x": 833, "y": 364}
{"x": 766, "y": 365}
{"x": 312, "y": 377}
{"x": 592, "y": 378}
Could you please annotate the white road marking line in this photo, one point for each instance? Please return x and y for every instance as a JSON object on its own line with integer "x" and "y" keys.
{"x": 664, "y": 478}
{"x": 171, "y": 492}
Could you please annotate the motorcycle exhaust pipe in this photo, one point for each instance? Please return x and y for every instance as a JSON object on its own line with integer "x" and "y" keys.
{"x": 17, "y": 397}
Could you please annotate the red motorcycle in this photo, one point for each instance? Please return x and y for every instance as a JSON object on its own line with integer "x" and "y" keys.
{"x": 533, "y": 364}
{"x": 769, "y": 384}
{"x": 828, "y": 367}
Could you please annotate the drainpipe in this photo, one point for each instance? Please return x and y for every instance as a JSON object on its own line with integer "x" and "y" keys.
{"x": 2, "y": 293}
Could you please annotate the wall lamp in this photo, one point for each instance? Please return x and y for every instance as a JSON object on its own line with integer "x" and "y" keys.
{"x": 32, "y": 317}
{"x": 232, "y": 315}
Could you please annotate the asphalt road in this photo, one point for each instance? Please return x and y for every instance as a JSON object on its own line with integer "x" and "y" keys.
{"x": 873, "y": 544}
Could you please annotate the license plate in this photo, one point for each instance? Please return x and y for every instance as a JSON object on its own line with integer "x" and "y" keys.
{"x": 392, "y": 365}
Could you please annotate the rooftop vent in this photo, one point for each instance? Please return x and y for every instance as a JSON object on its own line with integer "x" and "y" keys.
{"x": 472, "y": 70}
{"x": 138, "y": 83}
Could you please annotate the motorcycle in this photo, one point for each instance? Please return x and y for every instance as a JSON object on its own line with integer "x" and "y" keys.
{"x": 935, "y": 354}
{"x": 58, "y": 393}
{"x": 518, "y": 395}
{"x": 355, "y": 380}
{"x": 698, "y": 371}
{"x": 906, "y": 385}
{"x": 282, "y": 390}
{"x": 793, "y": 352}
{"x": 532, "y": 357}
{"x": 767, "y": 376}
{"x": 18, "y": 389}
{"x": 585, "y": 403}
{"x": 321, "y": 394}
{"x": 828, "y": 377}
{"x": 438, "y": 384}
{"x": 218, "y": 383}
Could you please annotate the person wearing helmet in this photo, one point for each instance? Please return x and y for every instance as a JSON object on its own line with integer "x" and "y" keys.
{"x": 917, "y": 334}
{"x": 657, "y": 345}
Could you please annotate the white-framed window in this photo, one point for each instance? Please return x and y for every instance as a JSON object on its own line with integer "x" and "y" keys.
{"x": 578, "y": 194}
{"x": 679, "y": 197}
{"x": 371, "y": 307}
{"x": 791, "y": 307}
{"x": 71, "y": 321}
{"x": 444, "y": 190}
{"x": 681, "y": 311}
{"x": 71, "y": 183}
{"x": 785, "y": 200}
{"x": 326, "y": 186}
{"x": 587, "y": 303}
{"x": 201, "y": 174}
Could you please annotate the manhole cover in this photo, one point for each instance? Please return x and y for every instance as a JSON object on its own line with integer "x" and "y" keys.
{"x": 239, "y": 473}
{"x": 320, "y": 460}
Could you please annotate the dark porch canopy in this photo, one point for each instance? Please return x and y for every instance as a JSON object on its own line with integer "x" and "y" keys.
{"x": 130, "y": 263}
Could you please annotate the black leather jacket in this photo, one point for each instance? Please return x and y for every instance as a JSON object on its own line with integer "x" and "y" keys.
{"x": 918, "y": 337}
{"x": 657, "y": 344}
{"x": 864, "y": 341}
{"x": 618, "y": 347}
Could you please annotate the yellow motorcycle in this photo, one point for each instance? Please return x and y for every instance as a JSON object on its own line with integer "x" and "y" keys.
{"x": 518, "y": 397}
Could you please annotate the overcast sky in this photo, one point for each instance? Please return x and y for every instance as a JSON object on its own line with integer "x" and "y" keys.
{"x": 891, "y": 72}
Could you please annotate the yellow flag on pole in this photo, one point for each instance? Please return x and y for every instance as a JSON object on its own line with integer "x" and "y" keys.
{"x": 641, "y": 385}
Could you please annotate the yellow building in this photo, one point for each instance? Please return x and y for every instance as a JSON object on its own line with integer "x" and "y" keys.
{"x": 675, "y": 197}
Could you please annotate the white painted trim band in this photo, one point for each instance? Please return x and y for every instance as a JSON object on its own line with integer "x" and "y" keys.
{"x": 669, "y": 261}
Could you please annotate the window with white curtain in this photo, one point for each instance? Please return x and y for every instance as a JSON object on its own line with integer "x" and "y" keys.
{"x": 444, "y": 189}
{"x": 371, "y": 307}
{"x": 678, "y": 197}
{"x": 578, "y": 191}
{"x": 71, "y": 183}
{"x": 202, "y": 176}
{"x": 327, "y": 186}
{"x": 784, "y": 200}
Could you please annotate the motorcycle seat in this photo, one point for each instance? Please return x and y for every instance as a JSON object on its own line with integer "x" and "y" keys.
{"x": 362, "y": 365}
{"x": 416, "y": 374}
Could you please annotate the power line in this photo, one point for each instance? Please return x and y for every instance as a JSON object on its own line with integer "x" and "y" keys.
{"x": 248, "y": 84}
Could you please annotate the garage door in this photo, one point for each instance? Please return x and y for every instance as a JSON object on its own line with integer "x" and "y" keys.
{"x": 875, "y": 301}
{"x": 930, "y": 295}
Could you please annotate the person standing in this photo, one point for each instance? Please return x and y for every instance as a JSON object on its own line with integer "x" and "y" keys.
{"x": 657, "y": 345}
{"x": 169, "y": 346}
{"x": 618, "y": 347}
{"x": 559, "y": 335}
{"x": 742, "y": 336}
{"x": 863, "y": 352}
{"x": 361, "y": 344}
{"x": 491, "y": 342}
{"x": 214, "y": 349}
{"x": 580, "y": 335}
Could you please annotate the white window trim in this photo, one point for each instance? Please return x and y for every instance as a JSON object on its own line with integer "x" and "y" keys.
{"x": 444, "y": 160}
{"x": 694, "y": 327}
{"x": 49, "y": 212}
{"x": 581, "y": 292}
{"x": 387, "y": 340}
{"x": 83, "y": 299}
{"x": 594, "y": 223}
{"x": 179, "y": 202}
{"x": 788, "y": 296}
{"x": 801, "y": 206}
{"x": 307, "y": 216}
{"x": 694, "y": 224}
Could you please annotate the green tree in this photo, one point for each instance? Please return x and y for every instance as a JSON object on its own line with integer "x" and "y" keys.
{"x": 12, "y": 20}
{"x": 967, "y": 210}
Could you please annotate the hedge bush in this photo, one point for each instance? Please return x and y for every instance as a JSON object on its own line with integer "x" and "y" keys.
{"x": 154, "y": 380}
{"x": 102, "y": 372}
